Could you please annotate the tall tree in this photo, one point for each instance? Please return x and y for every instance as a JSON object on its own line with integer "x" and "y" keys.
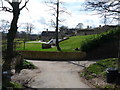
{"x": 110, "y": 7}
{"x": 57, "y": 27}
{"x": 55, "y": 6}
{"x": 15, "y": 10}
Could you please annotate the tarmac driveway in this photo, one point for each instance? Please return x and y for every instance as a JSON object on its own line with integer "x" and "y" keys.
{"x": 53, "y": 74}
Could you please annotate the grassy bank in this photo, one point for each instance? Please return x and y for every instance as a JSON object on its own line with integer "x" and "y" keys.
{"x": 96, "y": 73}
{"x": 67, "y": 45}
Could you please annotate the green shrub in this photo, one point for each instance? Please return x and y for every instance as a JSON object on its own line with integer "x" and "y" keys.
{"x": 11, "y": 84}
{"x": 109, "y": 87}
{"x": 28, "y": 65}
{"x": 15, "y": 85}
{"x": 95, "y": 40}
{"x": 25, "y": 65}
{"x": 99, "y": 68}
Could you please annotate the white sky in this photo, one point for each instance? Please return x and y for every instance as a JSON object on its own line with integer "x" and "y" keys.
{"x": 40, "y": 15}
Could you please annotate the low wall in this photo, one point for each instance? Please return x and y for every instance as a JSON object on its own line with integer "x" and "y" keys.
{"x": 41, "y": 55}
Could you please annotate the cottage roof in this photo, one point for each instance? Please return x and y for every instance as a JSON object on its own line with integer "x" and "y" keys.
{"x": 86, "y": 30}
{"x": 48, "y": 33}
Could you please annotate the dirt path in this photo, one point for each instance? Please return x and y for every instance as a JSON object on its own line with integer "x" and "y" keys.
{"x": 53, "y": 75}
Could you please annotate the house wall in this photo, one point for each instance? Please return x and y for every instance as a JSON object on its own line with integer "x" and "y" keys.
{"x": 94, "y": 31}
{"x": 82, "y": 32}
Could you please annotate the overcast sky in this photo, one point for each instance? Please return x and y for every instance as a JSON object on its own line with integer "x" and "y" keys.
{"x": 39, "y": 14}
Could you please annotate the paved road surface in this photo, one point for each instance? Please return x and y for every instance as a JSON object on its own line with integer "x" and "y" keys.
{"x": 55, "y": 75}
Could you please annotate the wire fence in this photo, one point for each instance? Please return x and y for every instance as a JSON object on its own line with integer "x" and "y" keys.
{"x": 16, "y": 44}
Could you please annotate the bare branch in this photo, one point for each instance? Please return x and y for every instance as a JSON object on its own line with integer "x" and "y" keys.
{"x": 54, "y": 15}
{"x": 9, "y": 2}
{"x": 62, "y": 20}
{"x": 6, "y": 9}
{"x": 20, "y": 1}
{"x": 52, "y": 8}
{"x": 50, "y": 2}
{"x": 102, "y": 5}
{"x": 63, "y": 11}
{"x": 27, "y": 9}
{"x": 26, "y": 1}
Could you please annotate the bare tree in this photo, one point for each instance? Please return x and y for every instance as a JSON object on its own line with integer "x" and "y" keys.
{"x": 28, "y": 28}
{"x": 110, "y": 7}
{"x": 79, "y": 26}
{"x": 55, "y": 6}
{"x": 15, "y": 10}
{"x": 4, "y": 25}
{"x": 57, "y": 27}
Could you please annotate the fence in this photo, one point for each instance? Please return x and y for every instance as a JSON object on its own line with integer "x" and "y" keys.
{"x": 16, "y": 44}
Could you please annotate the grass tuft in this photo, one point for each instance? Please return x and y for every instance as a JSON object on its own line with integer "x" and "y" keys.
{"x": 99, "y": 68}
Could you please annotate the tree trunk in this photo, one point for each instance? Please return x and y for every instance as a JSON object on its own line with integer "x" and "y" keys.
{"x": 57, "y": 41}
{"x": 11, "y": 34}
{"x": 119, "y": 53}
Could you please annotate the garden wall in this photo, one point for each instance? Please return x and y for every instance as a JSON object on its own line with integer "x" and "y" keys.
{"x": 41, "y": 55}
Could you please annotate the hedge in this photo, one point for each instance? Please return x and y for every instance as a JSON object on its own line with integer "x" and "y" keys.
{"x": 42, "y": 55}
{"x": 95, "y": 40}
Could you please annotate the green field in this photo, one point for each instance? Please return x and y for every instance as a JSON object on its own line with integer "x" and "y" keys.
{"x": 67, "y": 45}
{"x": 85, "y": 43}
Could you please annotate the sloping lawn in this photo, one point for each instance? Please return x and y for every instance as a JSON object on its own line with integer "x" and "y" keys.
{"x": 73, "y": 42}
{"x": 67, "y": 45}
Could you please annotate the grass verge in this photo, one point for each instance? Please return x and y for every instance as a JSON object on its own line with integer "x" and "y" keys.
{"x": 96, "y": 73}
{"x": 11, "y": 85}
{"x": 26, "y": 65}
